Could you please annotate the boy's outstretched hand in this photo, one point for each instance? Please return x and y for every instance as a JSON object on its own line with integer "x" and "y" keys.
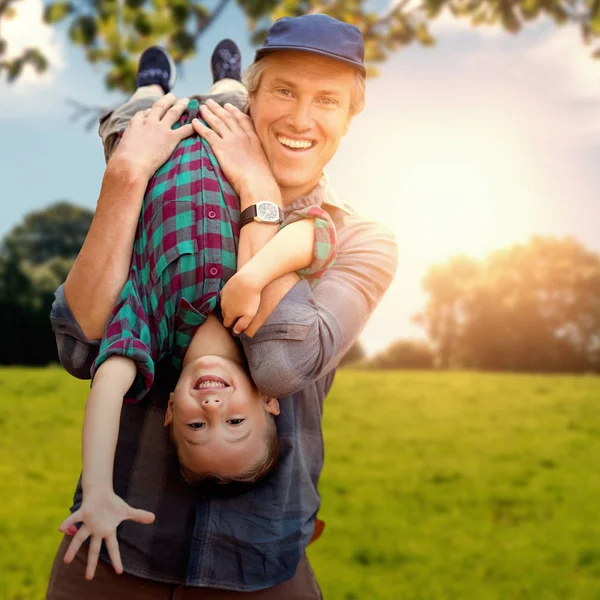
{"x": 100, "y": 515}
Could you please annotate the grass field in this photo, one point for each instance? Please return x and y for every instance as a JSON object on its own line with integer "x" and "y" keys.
{"x": 436, "y": 486}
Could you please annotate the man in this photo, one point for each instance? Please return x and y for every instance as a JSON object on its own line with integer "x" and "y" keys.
{"x": 306, "y": 84}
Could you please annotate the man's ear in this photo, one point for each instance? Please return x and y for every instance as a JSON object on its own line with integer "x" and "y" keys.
{"x": 169, "y": 411}
{"x": 271, "y": 405}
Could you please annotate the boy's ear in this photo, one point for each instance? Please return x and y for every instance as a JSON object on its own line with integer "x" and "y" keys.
{"x": 169, "y": 411}
{"x": 271, "y": 405}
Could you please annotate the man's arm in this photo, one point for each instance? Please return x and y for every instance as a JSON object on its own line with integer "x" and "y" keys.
{"x": 309, "y": 331}
{"x": 101, "y": 269}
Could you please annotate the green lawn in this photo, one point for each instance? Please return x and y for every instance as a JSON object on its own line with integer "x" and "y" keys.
{"x": 436, "y": 486}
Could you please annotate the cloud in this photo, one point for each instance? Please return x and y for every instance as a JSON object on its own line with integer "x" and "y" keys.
{"x": 27, "y": 30}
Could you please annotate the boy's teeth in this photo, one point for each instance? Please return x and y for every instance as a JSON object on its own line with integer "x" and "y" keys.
{"x": 294, "y": 143}
{"x": 211, "y": 384}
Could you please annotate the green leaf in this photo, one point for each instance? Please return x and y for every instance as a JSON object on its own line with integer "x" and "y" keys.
{"x": 53, "y": 13}
{"x": 83, "y": 31}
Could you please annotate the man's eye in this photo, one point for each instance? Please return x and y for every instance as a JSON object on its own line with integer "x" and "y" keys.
{"x": 235, "y": 421}
{"x": 196, "y": 425}
{"x": 285, "y": 92}
{"x": 329, "y": 101}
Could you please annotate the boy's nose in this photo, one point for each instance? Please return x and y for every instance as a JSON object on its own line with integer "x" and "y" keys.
{"x": 212, "y": 403}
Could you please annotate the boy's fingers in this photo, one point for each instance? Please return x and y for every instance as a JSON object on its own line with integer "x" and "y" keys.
{"x": 113, "y": 552}
{"x": 205, "y": 132}
{"x": 75, "y": 544}
{"x": 141, "y": 516}
{"x": 93, "y": 553}
{"x": 242, "y": 324}
{"x": 69, "y": 523}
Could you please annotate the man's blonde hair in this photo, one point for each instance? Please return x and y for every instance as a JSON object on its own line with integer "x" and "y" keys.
{"x": 253, "y": 74}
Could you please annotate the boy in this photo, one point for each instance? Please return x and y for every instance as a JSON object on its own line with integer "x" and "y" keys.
{"x": 184, "y": 252}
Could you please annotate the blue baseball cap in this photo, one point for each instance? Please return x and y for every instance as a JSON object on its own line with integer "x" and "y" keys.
{"x": 319, "y": 34}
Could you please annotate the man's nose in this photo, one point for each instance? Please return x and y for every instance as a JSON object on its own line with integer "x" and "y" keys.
{"x": 301, "y": 116}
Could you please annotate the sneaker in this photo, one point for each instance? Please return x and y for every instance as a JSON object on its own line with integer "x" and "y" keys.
{"x": 156, "y": 67}
{"x": 226, "y": 61}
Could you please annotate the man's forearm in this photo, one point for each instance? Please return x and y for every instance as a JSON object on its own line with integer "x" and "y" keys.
{"x": 254, "y": 236}
{"x": 100, "y": 271}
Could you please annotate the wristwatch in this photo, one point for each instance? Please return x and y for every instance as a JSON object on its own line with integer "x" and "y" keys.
{"x": 262, "y": 212}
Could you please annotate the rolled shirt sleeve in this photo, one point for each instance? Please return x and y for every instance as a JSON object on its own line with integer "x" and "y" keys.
{"x": 325, "y": 247}
{"x": 128, "y": 334}
{"x": 306, "y": 336}
{"x": 75, "y": 352}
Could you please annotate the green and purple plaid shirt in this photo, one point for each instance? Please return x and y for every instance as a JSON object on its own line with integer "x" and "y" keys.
{"x": 184, "y": 252}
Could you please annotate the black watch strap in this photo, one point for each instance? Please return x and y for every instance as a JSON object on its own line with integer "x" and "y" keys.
{"x": 249, "y": 214}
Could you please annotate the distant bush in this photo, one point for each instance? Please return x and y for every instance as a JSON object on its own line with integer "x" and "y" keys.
{"x": 354, "y": 355}
{"x": 403, "y": 354}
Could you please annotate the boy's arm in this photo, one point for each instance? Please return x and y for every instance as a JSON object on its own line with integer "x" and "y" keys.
{"x": 102, "y": 510}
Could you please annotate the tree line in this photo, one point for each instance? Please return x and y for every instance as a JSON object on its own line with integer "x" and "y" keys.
{"x": 529, "y": 307}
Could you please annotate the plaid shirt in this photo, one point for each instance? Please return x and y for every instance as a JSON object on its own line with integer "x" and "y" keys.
{"x": 253, "y": 540}
{"x": 184, "y": 252}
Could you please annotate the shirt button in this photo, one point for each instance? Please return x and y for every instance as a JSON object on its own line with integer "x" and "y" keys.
{"x": 212, "y": 214}
{"x": 210, "y": 168}
{"x": 214, "y": 271}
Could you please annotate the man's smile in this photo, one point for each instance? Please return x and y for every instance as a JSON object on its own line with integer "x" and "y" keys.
{"x": 295, "y": 143}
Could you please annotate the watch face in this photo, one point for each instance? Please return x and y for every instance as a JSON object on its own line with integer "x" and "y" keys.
{"x": 267, "y": 211}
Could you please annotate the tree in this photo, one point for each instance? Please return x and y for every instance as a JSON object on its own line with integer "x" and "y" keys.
{"x": 530, "y": 307}
{"x": 35, "y": 258}
{"x": 56, "y": 231}
{"x": 355, "y": 354}
{"x": 114, "y": 32}
{"x": 30, "y": 56}
{"x": 404, "y": 354}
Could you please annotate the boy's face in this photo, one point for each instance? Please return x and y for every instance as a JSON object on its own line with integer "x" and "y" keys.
{"x": 219, "y": 419}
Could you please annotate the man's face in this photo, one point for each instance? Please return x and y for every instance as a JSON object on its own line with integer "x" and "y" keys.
{"x": 219, "y": 419}
{"x": 300, "y": 111}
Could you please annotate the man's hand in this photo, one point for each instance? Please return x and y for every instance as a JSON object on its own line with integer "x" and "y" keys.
{"x": 240, "y": 300}
{"x": 234, "y": 141}
{"x": 100, "y": 513}
{"x": 148, "y": 140}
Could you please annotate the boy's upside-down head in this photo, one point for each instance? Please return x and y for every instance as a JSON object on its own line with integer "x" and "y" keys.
{"x": 222, "y": 426}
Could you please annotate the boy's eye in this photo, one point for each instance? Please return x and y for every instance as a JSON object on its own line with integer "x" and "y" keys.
{"x": 196, "y": 425}
{"x": 235, "y": 421}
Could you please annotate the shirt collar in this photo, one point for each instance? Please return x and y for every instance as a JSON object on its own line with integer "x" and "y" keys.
{"x": 323, "y": 193}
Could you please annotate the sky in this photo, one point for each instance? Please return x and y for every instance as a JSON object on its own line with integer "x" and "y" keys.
{"x": 474, "y": 144}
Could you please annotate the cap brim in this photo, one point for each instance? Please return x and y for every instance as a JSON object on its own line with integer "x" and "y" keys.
{"x": 262, "y": 52}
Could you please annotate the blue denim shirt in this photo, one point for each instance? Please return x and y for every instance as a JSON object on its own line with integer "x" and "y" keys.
{"x": 252, "y": 539}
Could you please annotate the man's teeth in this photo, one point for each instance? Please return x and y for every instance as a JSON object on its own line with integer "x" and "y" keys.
{"x": 210, "y": 384}
{"x": 294, "y": 143}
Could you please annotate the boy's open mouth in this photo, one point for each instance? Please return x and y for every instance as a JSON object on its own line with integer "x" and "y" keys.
{"x": 210, "y": 382}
